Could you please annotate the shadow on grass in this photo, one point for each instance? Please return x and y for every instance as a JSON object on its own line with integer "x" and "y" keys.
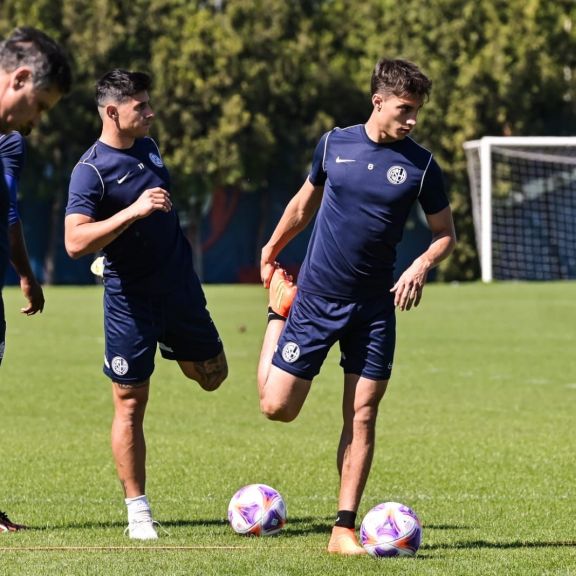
{"x": 303, "y": 525}
{"x": 516, "y": 544}
{"x": 446, "y": 527}
{"x": 297, "y": 526}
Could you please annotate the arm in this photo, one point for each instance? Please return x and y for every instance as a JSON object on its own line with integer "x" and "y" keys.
{"x": 19, "y": 258}
{"x": 408, "y": 289}
{"x": 12, "y": 157}
{"x": 84, "y": 235}
{"x": 295, "y": 218}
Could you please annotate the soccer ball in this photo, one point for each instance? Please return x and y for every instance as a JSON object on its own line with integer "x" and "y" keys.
{"x": 391, "y": 529}
{"x": 257, "y": 510}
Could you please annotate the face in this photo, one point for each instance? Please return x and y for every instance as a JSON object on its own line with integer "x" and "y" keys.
{"x": 134, "y": 116}
{"x": 23, "y": 105}
{"x": 396, "y": 115}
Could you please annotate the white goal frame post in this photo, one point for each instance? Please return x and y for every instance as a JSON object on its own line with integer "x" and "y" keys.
{"x": 482, "y": 204}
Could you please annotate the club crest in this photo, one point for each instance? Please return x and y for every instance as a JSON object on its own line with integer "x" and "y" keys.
{"x": 396, "y": 175}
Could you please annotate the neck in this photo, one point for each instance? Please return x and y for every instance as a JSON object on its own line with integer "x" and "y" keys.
{"x": 375, "y": 133}
{"x": 113, "y": 137}
{"x": 4, "y": 84}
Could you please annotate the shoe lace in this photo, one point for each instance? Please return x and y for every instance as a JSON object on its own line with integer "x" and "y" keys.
{"x": 4, "y": 517}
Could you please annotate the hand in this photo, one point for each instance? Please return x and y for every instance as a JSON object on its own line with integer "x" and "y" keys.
{"x": 408, "y": 290}
{"x": 150, "y": 201}
{"x": 266, "y": 271}
{"x": 32, "y": 291}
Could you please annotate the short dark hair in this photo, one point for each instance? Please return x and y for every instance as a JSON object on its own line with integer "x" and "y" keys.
{"x": 118, "y": 85}
{"x": 28, "y": 46}
{"x": 400, "y": 78}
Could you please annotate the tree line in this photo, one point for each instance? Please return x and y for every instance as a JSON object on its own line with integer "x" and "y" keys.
{"x": 243, "y": 89}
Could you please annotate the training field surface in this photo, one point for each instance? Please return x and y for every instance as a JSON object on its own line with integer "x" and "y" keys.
{"x": 476, "y": 434}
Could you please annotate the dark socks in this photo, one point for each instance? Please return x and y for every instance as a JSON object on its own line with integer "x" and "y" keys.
{"x": 273, "y": 315}
{"x": 346, "y": 519}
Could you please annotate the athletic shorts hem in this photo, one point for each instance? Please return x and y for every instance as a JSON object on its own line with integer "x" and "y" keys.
{"x": 294, "y": 372}
{"x": 167, "y": 355}
{"x": 133, "y": 382}
{"x": 372, "y": 376}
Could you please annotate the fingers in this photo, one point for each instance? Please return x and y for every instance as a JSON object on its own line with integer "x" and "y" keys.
{"x": 407, "y": 294}
{"x": 35, "y": 297}
{"x": 32, "y": 309}
{"x": 155, "y": 199}
{"x": 161, "y": 200}
{"x": 29, "y": 311}
{"x": 267, "y": 271}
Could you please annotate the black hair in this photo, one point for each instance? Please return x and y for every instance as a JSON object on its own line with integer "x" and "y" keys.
{"x": 400, "y": 78}
{"x": 28, "y": 46}
{"x": 119, "y": 85}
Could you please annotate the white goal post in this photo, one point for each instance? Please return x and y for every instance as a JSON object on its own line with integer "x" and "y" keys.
{"x": 523, "y": 192}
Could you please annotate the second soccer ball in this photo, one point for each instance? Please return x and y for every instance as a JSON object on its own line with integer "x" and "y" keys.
{"x": 257, "y": 510}
{"x": 391, "y": 529}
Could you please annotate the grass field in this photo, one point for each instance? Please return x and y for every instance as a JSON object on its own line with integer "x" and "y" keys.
{"x": 476, "y": 433}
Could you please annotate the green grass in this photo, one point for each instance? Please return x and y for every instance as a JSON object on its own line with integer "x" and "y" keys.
{"x": 476, "y": 433}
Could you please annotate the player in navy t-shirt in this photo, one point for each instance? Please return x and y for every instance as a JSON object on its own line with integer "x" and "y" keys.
{"x": 119, "y": 203}
{"x": 12, "y": 157}
{"x": 363, "y": 182}
{"x": 34, "y": 75}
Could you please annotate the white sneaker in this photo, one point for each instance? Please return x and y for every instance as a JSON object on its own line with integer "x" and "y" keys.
{"x": 142, "y": 530}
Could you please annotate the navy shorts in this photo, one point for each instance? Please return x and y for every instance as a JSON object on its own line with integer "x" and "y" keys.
{"x": 134, "y": 324}
{"x": 366, "y": 331}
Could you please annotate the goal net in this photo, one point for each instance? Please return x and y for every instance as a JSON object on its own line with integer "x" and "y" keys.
{"x": 524, "y": 206}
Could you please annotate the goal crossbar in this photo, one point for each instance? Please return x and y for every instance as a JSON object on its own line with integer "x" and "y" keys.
{"x": 482, "y": 203}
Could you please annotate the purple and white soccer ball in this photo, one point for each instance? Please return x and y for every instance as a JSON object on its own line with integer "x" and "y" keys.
{"x": 257, "y": 510}
{"x": 391, "y": 529}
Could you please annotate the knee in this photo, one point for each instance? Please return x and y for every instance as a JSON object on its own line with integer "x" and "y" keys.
{"x": 277, "y": 412}
{"x": 130, "y": 403}
{"x": 212, "y": 381}
{"x": 365, "y": 417}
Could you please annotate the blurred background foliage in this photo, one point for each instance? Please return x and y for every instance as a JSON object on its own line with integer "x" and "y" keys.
{"x": 243, "y": 89}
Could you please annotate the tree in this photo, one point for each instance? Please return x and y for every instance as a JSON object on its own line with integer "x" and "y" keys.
{"x": 244, "y": 88}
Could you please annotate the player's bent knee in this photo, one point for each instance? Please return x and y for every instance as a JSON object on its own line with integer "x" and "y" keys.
{"x": 212, "y": 382}
{"x": 209, "y": 374}
{"x": 278, "y": 412}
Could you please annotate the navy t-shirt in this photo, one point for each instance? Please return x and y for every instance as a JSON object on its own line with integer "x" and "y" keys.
{"x": 152, "y": 254}
{"x": 12, "y": 155}
{"x": 369, "y": 189}
{"x": 4, "y": 246}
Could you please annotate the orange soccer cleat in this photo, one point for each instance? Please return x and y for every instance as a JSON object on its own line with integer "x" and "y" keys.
{"x": 282, "y": 292}
{"x": 343, "y": 541}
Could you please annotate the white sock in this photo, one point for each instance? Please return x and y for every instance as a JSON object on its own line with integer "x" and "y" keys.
{"x": 138, "y": 509}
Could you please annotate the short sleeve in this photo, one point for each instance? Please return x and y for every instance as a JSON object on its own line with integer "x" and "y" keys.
{"x": 317, "y": 173}
{"x": 12, "y": 156}
{"x": 432, "y": 196}
{"x": 85, "y": 191}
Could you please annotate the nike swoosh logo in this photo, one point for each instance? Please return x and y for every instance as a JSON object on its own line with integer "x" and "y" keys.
{"x": 340, "y": 160}
{"x": 120, "y": 180}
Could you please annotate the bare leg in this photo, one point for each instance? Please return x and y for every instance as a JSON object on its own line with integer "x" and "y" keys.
{"x": 128, "y": 444}
{"x": 209, "y": 373}
{"x": 281, "y": 394}
{"x": 356, "y": 449}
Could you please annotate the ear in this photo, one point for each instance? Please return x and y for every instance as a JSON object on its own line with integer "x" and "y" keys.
{"x": 20, "y": 76}
{"x": 377, "y": 100}
{"x": 112, "y": 112}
